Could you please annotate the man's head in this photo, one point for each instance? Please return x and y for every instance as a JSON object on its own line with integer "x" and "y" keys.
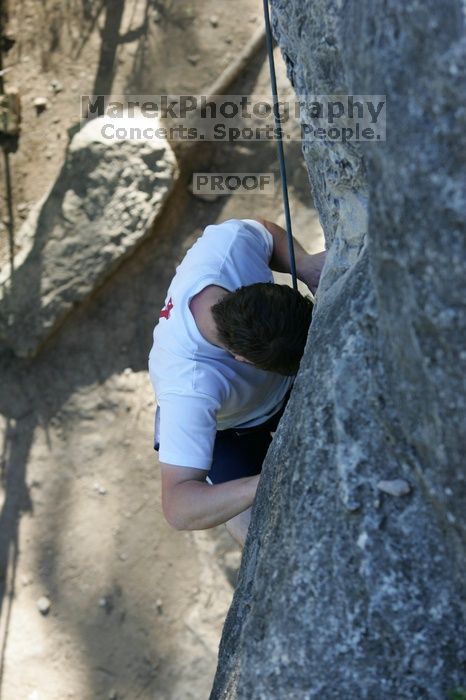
{"x": 265, "y": 324}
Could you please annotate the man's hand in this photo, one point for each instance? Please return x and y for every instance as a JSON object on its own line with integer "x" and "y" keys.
{"x": 253, "y": 483}
{"x": 309, "y": 269}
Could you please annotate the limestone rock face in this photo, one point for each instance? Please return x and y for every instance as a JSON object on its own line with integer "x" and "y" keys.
{"x": 353, "y": 583}
{"x": 100, "y": 207}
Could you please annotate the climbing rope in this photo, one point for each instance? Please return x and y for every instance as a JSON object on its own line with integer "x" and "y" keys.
{"x": 279, "y": 141}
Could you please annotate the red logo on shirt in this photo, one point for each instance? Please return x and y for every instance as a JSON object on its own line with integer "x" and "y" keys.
{"x": 165, "y": 313}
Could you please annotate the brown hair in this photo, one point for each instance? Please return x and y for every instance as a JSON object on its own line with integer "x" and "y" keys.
{"x": 265, "y": 323}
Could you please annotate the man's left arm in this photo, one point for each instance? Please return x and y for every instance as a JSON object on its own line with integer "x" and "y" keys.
{"x": 308, "y": 267}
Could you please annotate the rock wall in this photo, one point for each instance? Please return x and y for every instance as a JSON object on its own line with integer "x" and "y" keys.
{"x": 352, "y": 583}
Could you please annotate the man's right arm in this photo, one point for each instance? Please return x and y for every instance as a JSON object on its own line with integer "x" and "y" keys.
{"x": 190, "y": 503}
{"x": 308, "y": 266}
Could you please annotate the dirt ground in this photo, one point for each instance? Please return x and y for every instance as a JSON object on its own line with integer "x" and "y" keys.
{"x": 136, "y": 608}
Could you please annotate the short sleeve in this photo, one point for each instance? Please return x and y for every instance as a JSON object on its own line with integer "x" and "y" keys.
{"x": 265, "y": 235}
{"x": 187, "y": 430}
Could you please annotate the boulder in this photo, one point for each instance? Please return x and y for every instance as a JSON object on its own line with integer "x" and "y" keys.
{"x": 352, "y": 581}
{"x": 101, "y": 206}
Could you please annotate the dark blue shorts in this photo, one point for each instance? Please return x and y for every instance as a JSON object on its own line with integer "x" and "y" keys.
{"x": 240, "y": 452}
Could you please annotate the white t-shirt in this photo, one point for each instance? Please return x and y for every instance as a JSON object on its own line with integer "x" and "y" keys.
{"x": 201, "y": 388}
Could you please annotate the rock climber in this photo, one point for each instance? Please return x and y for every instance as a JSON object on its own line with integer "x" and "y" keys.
{"x": 225, "y": 352}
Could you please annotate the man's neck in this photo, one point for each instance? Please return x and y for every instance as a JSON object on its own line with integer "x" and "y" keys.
{"x": 200, "y": 306}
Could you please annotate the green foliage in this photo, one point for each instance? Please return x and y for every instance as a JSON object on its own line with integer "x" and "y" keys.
{"x": 457, "y": 694}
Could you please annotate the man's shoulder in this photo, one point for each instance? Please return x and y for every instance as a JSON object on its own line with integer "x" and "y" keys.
{"x": 232, "y": 228}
